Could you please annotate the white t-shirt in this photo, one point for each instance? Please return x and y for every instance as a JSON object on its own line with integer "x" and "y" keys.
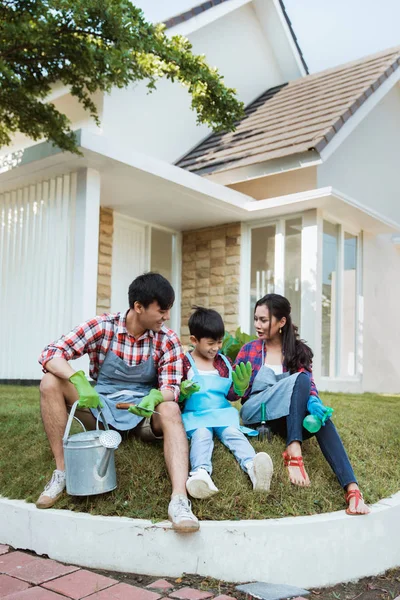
{"x": 277, "y": 369}
{"x": 190, "y": 374}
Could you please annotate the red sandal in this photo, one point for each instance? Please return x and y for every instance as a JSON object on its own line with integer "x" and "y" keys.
{"x": 358, "y": 496}
{"x": 294, "y": 461}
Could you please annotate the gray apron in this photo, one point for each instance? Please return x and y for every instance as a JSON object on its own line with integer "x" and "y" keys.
{"x": 119, "y": 382}
{"x": 275, "y": 391}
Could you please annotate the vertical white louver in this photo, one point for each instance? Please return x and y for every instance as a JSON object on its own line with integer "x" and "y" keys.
{"x": 36, "y": 264}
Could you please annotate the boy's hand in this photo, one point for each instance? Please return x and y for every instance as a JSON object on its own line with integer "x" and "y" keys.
{"x": 316, "y": 407}
{"x": 241, "y": 378}
{"x": 147, "y": 405}
{"x": 88, "y": 397}
{"x": 188, "y": 387}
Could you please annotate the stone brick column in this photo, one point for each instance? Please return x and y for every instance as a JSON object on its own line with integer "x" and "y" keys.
{"x": 210, "y": 273}
{"x": 105, "y": 260}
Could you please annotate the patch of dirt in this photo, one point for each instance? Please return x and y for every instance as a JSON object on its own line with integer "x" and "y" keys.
{"x": 381, "y": 587}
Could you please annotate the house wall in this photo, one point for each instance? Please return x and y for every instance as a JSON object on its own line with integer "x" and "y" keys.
{"x": 211, "y": 273}
{"x": 381, "y": 306}
{"x": 75, "y": 112}
{"x": 271, "y": 186}
{"x": 106, "y": 230}
{"x": 366, "y": 164}
{"x": 162, "y": 124}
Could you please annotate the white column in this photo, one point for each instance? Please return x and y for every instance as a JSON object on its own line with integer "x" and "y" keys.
{"x": 86, "y": 245}
{"x": 311, "y": 282}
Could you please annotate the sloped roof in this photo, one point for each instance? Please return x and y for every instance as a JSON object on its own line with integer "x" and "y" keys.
{"x": 302, "y": 115}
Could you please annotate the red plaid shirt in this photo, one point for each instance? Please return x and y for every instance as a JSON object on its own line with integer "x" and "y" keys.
{"x": 95, "y": 336}
{"x": 252, "y": 351}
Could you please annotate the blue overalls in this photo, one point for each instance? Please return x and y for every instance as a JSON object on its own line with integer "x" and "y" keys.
{"x": 275, "y": 391}
{"x": 208, "y": 411}
{"x": 119, "y": 382}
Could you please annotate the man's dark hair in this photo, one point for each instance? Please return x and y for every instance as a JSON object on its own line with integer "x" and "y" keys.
{"x": 206, "y": 323}
{"x": 151, "y": 287}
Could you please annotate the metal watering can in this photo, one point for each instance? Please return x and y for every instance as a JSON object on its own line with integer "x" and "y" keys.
{"x": 89, "y": 458}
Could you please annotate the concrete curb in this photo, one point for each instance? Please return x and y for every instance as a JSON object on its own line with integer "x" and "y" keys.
{"x": 328, "y": 548}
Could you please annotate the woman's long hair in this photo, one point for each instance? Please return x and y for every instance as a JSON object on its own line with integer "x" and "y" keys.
{"x": 296, "y": 353}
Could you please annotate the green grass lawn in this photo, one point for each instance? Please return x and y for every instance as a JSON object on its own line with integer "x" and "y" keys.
{"x": 369, "y": 425}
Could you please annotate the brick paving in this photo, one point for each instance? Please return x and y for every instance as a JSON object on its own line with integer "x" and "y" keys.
{"x": 24, "y": 576}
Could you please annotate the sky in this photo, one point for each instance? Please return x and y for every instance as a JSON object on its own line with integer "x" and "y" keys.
{"x": 330, "y": 32}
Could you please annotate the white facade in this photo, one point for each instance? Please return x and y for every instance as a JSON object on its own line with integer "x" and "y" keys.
{"x": 350, "y": 190}
{"x": 161, "y": 124}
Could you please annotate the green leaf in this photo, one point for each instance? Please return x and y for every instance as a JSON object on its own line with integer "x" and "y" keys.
{"x": 92, "y": 46}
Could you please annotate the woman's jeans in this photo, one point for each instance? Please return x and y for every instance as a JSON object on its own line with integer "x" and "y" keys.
{"x": 291, "y": 428}
{"x": 202, "y": 445}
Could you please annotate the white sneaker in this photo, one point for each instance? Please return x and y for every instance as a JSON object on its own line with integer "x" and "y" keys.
{"x": 52, "y": 491}
{"x": 200, "y": 484}
{"x": 260, "y": 471}
{"x": 181, "y": 516}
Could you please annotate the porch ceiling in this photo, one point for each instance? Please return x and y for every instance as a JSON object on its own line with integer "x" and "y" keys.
{"x": 154, "y": 191}
{"x": 131, "y": 183}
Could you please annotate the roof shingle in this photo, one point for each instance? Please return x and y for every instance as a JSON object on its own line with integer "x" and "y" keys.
{"x": 302, "y": 115}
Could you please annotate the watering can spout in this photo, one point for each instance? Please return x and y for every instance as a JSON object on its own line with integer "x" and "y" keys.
{"x": 104, "y": 462}
{"x": 110, "y": 440}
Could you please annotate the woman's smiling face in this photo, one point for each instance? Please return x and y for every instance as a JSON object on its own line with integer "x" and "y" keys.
{"x": 267, "y": 327}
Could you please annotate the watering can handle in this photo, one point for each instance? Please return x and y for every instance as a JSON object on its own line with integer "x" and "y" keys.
{"x": 72, "y": 417}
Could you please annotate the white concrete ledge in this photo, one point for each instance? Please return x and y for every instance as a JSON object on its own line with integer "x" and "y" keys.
{"x": 323, "y": 549}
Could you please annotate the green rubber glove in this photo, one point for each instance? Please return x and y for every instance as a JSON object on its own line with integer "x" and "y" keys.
{"x": 88, "y": 397}
{"x": 241, "y": 378}
{"x": 147, "y": 405}
{"x": 188, "y": 387}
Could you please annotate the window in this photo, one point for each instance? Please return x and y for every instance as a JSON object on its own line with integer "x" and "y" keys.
{"x": 276, "y": 264}
{"x": 349, "y": 307}
{"x": 329, "y": 298}
{"x": 339, "y": 302}
{"x": 262, "y": 265}
{"x": 293, "y": 267}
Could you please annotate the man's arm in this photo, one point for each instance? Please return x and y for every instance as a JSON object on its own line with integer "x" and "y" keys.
{"x": 81, "y": 340}
{"x": 170, "y": 369}
{"x": 60, "y": 368}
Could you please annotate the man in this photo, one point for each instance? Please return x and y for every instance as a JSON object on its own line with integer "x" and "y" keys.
{"x": 132, "y": 356}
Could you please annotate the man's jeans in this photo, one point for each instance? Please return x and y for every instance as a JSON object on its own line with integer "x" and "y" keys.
{"x": 291, "y": 428}
{"x": 202, "y": 445}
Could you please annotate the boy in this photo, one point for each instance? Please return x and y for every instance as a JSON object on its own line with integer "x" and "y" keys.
{"x": 207, "y": 378}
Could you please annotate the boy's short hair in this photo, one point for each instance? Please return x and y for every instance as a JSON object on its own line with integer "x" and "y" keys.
{"x": 206, "y": 323}
{"x": 151, "y": 287}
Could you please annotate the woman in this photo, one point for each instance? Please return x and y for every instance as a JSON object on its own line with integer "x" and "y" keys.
{"x": 282, "y": 380}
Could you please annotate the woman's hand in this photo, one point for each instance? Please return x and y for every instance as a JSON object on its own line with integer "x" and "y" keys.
{"x": 318, "y": 409}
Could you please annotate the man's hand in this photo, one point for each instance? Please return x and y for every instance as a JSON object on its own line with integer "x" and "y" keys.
{"x": 318, "y": 409}
{"x": 241, "y": 378}
{"x": 88, "y": 397}
{"x": 147, "y": 405}
{"x": 188, "y": 387}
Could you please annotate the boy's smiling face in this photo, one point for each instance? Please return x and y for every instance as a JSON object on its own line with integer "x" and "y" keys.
{"x": 206, "y": 347}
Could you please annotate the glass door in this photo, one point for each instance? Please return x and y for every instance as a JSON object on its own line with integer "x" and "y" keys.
{"x": 275, "y": 264}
